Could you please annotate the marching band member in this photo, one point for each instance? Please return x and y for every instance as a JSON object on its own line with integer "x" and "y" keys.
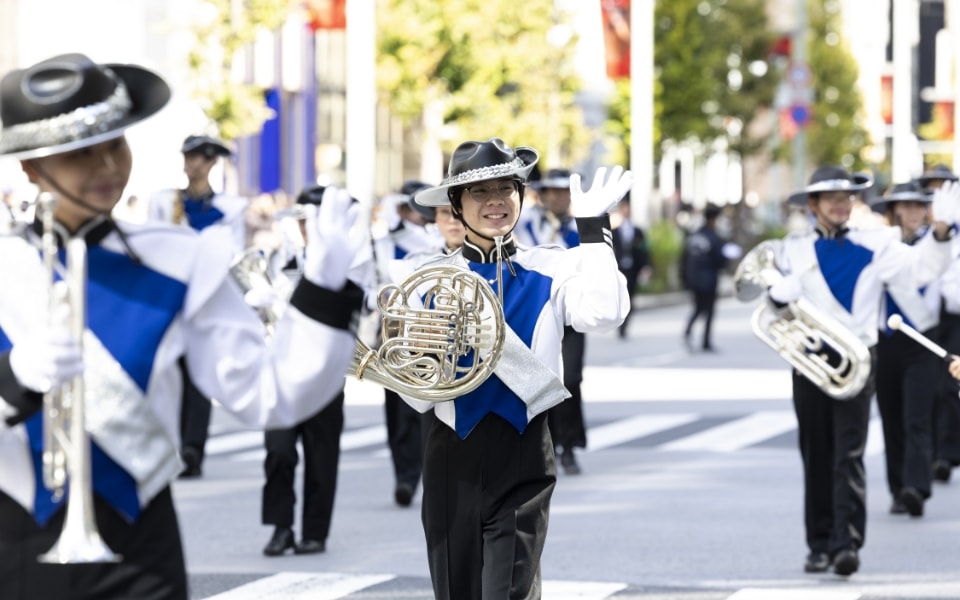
{"x": 842, "y": 271}
{"x": 151, "y": 302}
{"x": 905, "y": 369}
{"x": 551, "y": 222}
{"x": 197, "y": 206}
{"x": 318, "y": 434}
{"x": 946, "y": 438}
{"x": 489, "y": 465}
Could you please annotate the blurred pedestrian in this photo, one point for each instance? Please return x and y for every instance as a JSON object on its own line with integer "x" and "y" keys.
{"x": 633, "y": 255}
{"x": 702, "y": 261}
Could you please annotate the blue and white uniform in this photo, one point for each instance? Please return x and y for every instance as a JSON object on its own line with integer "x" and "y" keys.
{"x": 225, "y": 210}
{"x": 173, "y": 299}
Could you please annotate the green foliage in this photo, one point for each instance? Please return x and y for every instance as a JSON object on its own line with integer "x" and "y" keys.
{"x": 710, "y": 60}
{"x": 490, "y": 68}
{"x": 665, "y": 240}
{"x": 237, "y": 109}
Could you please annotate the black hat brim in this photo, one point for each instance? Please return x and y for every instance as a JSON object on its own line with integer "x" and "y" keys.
{"x": 148, "y": 94}
{"x": 437, "y": 196}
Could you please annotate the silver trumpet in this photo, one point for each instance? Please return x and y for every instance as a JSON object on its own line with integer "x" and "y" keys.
{"x": 66, "y": 444}
{"x": 442, "y": 332}
{"x": 815, "y": 344}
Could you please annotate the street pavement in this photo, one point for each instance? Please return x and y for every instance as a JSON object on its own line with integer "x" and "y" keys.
{"x": 691, "y": 490}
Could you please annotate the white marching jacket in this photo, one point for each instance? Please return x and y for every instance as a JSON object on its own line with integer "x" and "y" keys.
{"x": 178, "y": 301}
{"x": 160, "y": 207}
{"x": 847, "y": 276}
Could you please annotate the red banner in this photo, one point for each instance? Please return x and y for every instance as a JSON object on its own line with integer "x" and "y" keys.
{"x": 616, "y": 37}
{"x": 326, "y": 14}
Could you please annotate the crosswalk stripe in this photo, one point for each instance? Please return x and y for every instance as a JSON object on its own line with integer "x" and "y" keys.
{"x": 737, "y": 434}
{"x": 732, "y": 435}
{"x": 302, "y": 586}
{"x": 781, "y": 594}
{"x": 580, "y": 590}
{"x": 618, "y": 432}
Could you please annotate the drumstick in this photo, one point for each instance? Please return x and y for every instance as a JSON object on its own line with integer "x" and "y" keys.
{"x": 896, "y": 323}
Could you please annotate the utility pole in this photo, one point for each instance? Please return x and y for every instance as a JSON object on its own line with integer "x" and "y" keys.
{"x": 644, "y": 204}
{"x": 798, "y": 60}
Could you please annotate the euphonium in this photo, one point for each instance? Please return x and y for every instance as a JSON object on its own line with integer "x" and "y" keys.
{"x": 66, "y": 444}
{"x": 818, "y": 346}
{"x": 442, "y": 332}
{"x": 250, "y": 268}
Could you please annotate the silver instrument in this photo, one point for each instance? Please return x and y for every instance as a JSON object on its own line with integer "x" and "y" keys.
{"x": 442, "y": 333}
{"x": 815, "y": 344}
{"x": 66, "y": 444}
{"x": 251, "y": 270}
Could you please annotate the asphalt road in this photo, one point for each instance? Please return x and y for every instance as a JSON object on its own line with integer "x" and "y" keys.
{"x": 691, "y": 490}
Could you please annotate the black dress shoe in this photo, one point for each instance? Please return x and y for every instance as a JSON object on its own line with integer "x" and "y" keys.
{"x": 897, "y": 507}
{"x": 846, "y": 562}
{"x": 569, "y": 462}
{"x": 403, "y": 494}
{"x": 310, "y": 547}
{"x": 817, "y": 562}
{"x": 191, "y": 460}
{"x": 913, "y": 501}
{"x": 281, "y": 541}
{"x": 941, "y": 470}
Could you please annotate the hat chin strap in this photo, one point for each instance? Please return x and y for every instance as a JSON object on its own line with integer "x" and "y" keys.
{"x": 67, "y": 194}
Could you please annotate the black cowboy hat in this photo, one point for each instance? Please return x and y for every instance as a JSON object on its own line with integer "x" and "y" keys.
{"x": 832, "y": 179}
{"x": 411, "y": 188}
{"x": 939, "y": 172}
{"x": 480, "y": 161}
{"x": 901, "y": 192}
{"x": 205, "y": 145}
{"x": 555, "y": 179}
{"x": 69, "y": 102}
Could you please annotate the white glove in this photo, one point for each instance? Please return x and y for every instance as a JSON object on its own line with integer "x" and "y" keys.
{"x": 47, "y": 359}
{"x": 261, "y": 297}
{"x": 946, "y": 203}
{"x": 388, "y": 212}
{"x": 603, "y": 194}
{"x": 337, "y": 231}
{"x": 786, "y": 290}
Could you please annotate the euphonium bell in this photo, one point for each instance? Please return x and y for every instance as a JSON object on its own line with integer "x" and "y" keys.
{"x": 815, "y": 344}
{"x": 442, "y": 333}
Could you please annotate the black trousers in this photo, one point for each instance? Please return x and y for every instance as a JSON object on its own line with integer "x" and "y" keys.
{"x": 405, "y": 437}
{"x": 832, "y": 436}
{"x": 566, "y": 419}
{"x": 486, "y": 505}
{"x": 633, "y": 278}
{"x": 905, "y": 397}
{"x": 947, "y": 403}
{"x": 195, "y": 412}
{"x": 152, "y": 566}
{"x": 704, "y": 305}
{"x": 320, "y": 436}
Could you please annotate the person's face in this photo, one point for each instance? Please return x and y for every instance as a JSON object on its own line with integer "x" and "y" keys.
{"x": 97, "y": 175}
{"x": 556, "y": 200}
{"x": 197, "y": 166}
{"x": 832, "y": 209}
{"x": 449, "y": 227}
{"x": 491, "y": 207}
{"x": 910, "y": 215}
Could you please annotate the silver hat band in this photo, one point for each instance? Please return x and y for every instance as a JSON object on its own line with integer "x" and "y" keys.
{"x": 490, "y": 172}
{"x": 832, "y": 185}
{"x": 78, "y": 124}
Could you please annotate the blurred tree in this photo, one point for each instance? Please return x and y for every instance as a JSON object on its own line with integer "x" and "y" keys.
{"x": 474, "y": 69}
{"x": 237, "y": 108}
{"x": 836, "y": 134}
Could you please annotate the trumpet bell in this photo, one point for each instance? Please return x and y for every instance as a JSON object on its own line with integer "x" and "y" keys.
{"x": 442, "y": 332}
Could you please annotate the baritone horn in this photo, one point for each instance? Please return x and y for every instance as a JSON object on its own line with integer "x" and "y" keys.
{"x": 815, "y": 344}
{"x": 66, "y": 444}
{"x": 442, "y": 333}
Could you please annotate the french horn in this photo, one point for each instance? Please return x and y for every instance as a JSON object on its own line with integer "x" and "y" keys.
{"x": 815, "y": 344}
{"x": 442, "y": 333}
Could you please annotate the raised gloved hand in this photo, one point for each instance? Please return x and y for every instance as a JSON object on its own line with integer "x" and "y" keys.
{"x": 946, "y": 203}
{"x": 786, "y": 290}
{"x": 337, "y": 231}
{"x": 603, "y": 194}
{"x": 45, "y": 360}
